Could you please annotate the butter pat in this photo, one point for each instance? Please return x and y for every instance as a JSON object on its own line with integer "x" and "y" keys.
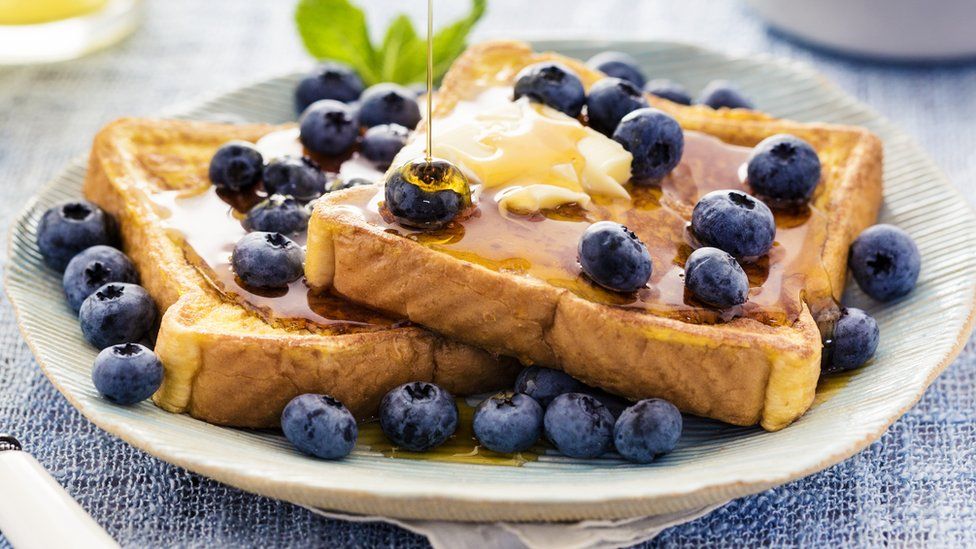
{"x": 538, "y": 157}
{"x": 533, "y": 198}
{"x": 607, "y": 164}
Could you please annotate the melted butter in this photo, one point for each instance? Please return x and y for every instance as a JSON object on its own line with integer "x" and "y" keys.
{"x": 207, "y": 223}
{"x": 538, "y": 156}
{"x": 544, "y": 244}
{"x": 462, "y": 447}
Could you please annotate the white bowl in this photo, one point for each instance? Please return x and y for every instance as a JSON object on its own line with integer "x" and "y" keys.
{"x": 895, "y": 29}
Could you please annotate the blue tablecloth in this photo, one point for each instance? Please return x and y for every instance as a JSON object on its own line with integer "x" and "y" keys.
{"x": 915, "y": 486}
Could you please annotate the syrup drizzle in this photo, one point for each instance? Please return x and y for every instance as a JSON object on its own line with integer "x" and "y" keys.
{"x": 428, "y": 152}
{"x": 461, "y": 447}
{"x": 544, "y": 244}
{"x": 208, "y": 222}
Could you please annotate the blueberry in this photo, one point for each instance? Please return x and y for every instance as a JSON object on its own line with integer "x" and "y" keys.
{"x": 654, "y": 139}
{"x": 297, "y": 177}
{"x": 418, "y": 416}
{"x": 668, "y": 89}
{"x": 610, "y": 100}
{"x": 619, "y": 65}
{"x": 508, "y": 422}
{"x": 716, "y": 278}
{"x": 319, "y": 426}
{"x": 342, "y": 184}
{"x": 616, "y": 405}
{"x": 885, "y": 262}
{"x": 93, "y": 268}
{"x": 118, "y": 312}
{"x": 236, "y": 165}
{"x": 328, "y": 127}
{"x": 277, "y": 214}
{"x": 579, "y": 426}
{"x": 70, "y": 227}
{"x": 328, "y": 81}
{"x": 647, "y": 429}
{"x": 127, "y": 373}
{"x": 382, "y": 143}
{"x": 613, "y": 257}
{"x": 545, "y": 384}
{"x": 784, "y": 167}
{"x": 722, "y": 93}
{"x": 267, "y": 260}
{"x": 552, "y": 84}
{"x": 853, "y": 341}
{"x": 425, "y": 194}
{"x": 389, "y": 104}
{"x": 735, "y": 222}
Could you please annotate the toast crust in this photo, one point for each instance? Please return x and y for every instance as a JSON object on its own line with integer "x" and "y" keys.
{"x": 743, "y": 372}
{"x": 224, "y": 364}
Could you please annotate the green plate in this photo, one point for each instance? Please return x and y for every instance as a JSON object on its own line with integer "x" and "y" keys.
{"x": 714, "y": 462}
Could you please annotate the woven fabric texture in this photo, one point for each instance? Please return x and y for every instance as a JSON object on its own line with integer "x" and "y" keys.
{"x": 915, "y": 486}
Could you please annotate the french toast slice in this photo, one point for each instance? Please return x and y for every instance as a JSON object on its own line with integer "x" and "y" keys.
{"x": 225, "y": 363}
{"x": 746, "y": 370}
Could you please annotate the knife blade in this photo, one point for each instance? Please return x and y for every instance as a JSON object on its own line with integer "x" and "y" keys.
{"x": 35, "y": 511}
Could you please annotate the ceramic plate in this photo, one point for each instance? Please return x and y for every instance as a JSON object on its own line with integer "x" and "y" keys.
{"x": 714, "y": 462}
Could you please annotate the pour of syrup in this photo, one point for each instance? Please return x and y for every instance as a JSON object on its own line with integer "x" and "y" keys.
{"x": 428, "y": 152}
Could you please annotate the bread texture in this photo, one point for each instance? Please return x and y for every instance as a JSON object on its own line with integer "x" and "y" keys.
{"x": 743, "y": 372}
{"x": 224, "y": 363}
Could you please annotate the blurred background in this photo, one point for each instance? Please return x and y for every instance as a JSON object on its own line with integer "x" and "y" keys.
{"x": 153, "y": 54}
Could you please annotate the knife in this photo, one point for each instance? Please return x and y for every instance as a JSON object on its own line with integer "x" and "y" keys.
{"x": 35, "y": 511}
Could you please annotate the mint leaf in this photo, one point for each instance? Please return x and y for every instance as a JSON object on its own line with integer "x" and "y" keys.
{"x": 336, "y": 29}
{"x": 403, "y": 55}
{"x": 450, "y": 41}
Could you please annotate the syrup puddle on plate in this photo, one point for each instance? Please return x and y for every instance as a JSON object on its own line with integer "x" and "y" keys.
{"x": 462, "y": 447}
{"x": 831, "y": 384}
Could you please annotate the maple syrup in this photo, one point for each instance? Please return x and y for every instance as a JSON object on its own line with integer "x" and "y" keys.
{"x": 544, "y": 244}
{"x": 208, "y": 223}
{"x": 461, "y": 447}
{"x": 434, "y": 175}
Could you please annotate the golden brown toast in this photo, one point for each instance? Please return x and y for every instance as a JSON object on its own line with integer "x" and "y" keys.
{"x": 224, "y": 362}
{"x": 760, "y": 367}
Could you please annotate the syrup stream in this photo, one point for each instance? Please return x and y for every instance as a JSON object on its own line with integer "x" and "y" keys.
{"x": 428, "y": 154}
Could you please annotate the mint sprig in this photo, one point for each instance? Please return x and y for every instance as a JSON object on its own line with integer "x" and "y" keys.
{"x": 336, "y": 30}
